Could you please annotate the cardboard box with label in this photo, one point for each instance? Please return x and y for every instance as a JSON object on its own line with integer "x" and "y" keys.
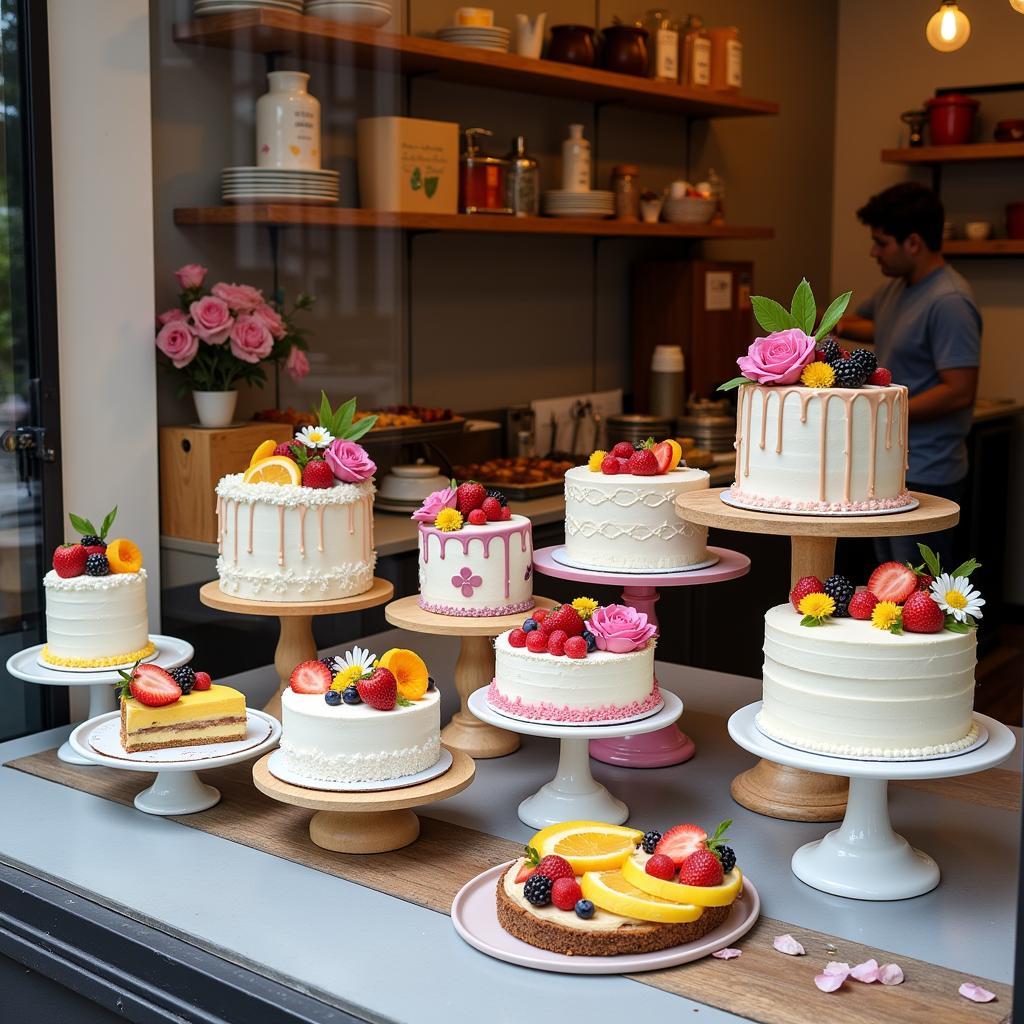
{"x": 408, "y": 165}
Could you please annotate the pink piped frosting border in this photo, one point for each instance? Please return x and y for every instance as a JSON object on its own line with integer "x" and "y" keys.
{"x": 787, "y": 504}
{"x": 478, "y": 613}
{"x": 562, "y": 713}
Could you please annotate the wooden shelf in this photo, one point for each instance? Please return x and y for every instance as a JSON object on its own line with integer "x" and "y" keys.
{"x": 282, "y": 215}
{"x": 989, "y": 247}
{"x": 265, "y": 31}
{"x": 955, "y": 154}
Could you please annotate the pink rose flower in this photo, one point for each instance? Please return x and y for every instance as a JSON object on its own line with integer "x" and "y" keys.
{"x": 171, "y": 316}
{"x": 349, "y": 461}
{"x": 250, "y": 339}
{"x": 190, "y": 276}
{"x": 242, "y": 298}
{"x": 433, "y": 503}
{"x": 178, "y": 343}
{"x": 779, "y": 358}
{"x": 212, "y": 319}
{"x": 296, "y": 365}
{"x": 271, "y": 318}
{"x": 618, "y": 628}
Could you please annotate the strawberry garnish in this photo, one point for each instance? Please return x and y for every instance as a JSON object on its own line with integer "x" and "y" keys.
{"x": 203, "y": 681}
{"x": 555, "y": 867}
{"x": 862, "y": 604}
{"x": 642, "y": 463}
{"x": 528, "y": 866}
{"x": 701, "y": 868}
{"x": 491, "y": 508}
{"x": 611, "y": 466}
{"x": 469, "y": 496}
{"x": 893, "y": 581}
{"x": 921, "y": 614}
{"x": 69, "y": 560}
{"x": 663, "y": 454}
{"x": 680, "y": 841}
{"x": 566, "y": 618}
{"x": 149, "y": 685}
{"x": 565, "y": 892}
{"x": 622, "y": 450}
{"x": 880, "y": 377}
{"x": 311, "y": 677}
{"x": 379, "y": 690}
{"x": 317, "y": 474}
{"x": 661, "y": 866}
{"x": 804, "y": 586}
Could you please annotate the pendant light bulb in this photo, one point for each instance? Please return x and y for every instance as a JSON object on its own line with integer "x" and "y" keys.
{"x": 1017, "y": 5}
{"x": 948, "y": 28}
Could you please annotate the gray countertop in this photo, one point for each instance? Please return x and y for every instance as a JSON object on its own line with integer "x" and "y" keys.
{"x": 342, "y": 943}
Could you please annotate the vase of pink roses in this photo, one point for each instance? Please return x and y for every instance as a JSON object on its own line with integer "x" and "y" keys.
{"x": 228, "y": 334}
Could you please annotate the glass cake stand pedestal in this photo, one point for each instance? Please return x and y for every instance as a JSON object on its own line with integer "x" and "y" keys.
{"x": 295, "y": 643}
{"x": 779, "y": 790}
{"x": 864, "y": 859}
{"x": 573, "y": 794}
{"x": 666, "y": 746}
{"x": 473, "y": 669}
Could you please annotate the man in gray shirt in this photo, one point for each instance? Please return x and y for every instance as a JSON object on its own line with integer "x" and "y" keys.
{"x": 927, "y": 332}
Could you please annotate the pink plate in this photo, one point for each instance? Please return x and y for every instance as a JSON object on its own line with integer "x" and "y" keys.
{"x": 476, "y": 920}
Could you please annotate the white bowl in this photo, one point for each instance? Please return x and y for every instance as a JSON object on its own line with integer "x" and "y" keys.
{"x": 346, "y": 15}
{"x": 977, "y": 230}
{"x": 689, "y": 210}
{"x": 411, "y": 483}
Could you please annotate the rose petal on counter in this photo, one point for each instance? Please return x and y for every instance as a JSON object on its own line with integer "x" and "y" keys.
{"x": 788, "y": 945}
{"x": 976, "y": 993}
{"x": 890, "y": 974}
{"x": 829, "y": 982}
{"x": 866, "y": 972}
{"x": 727, "y": 954}
{"x": 833, "y": 967}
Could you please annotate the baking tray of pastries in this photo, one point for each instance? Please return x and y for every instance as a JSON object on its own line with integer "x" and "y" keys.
{"x": 520, "y": 478}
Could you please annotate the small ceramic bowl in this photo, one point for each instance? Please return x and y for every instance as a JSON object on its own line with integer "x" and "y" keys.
{"x": 977, "y": 230}
{"x": 689, "y": 210}
{"x": 411, "y": 483}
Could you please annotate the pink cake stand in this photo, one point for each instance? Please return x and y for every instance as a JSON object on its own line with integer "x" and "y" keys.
{"x": 669, "y": 745}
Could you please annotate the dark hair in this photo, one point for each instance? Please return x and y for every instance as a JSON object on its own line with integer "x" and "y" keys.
{"x": 906, "y": 209}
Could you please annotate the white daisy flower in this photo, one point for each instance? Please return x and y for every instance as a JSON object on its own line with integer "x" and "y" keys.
{"x": 314, "y": 437}
{"x": 361, "y": 658}
{"x": 955, "y": 596}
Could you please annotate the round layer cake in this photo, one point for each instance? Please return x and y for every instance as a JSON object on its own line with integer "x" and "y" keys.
{"x": 848, "y": 689}
{"x": 279, "y": 542}
{"x": 357, "y": 743}
{"x": 602, "y": 687}
{"x": 804, "y": 449}
{"x": 627, "y": 522}
{"x": 484, "y": 570}
{"x": 96, "y": 621}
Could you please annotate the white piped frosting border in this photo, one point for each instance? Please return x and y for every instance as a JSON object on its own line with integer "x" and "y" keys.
{"x": 232, "y": 488}
{"x": 51, "y": 581}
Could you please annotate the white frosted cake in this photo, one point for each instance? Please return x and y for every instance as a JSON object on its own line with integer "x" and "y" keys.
{"x": 358, "y": 743}
{"x": 279, "y": 542}
{"x": 849, "y": 689}
{"x": 96, "y": 621}
{"x": 805, "y": 449}
{"x": 629, "y": 522}
{"x": 477, "y": 570}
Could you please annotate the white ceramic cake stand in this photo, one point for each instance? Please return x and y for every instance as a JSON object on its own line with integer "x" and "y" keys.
{"x": 170, "y": 653}
{"x": 177, "y": 788}
{"x": 864, "y": 859}
{"x": 573, "y": 794}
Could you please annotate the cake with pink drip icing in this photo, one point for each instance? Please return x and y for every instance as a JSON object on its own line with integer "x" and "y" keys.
{"x": 475, "y": 555}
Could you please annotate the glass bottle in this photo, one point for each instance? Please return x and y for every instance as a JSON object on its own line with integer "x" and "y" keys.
{"x": 696, "y": 63}
{"x": 726, "y": 58}
{"x": 626, "y": 187}
{"x": 522, "y": 183}
{"x": 663, "y": 35}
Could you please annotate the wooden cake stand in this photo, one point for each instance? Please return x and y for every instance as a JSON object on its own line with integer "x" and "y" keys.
{"x": 474, "y": 668}
{"x": 295, "y": 644}
{"x": 366, "y": 822}
{"x": 776, "y": 790}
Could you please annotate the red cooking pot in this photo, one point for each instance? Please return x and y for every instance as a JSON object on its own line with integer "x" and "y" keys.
{"x": 951, "y": 118}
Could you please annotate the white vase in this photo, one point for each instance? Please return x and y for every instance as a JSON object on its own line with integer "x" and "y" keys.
{"x": 288, "y": 124}
{"x": 215, "y": 408}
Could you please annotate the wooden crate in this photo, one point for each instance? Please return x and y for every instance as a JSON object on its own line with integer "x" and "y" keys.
{"x": 192, "y": 460}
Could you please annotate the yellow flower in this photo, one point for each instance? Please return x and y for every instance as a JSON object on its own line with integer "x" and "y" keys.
{"x": 586, "y": 606}
{"x": 818, "y": 375}
{"x": 347, "y": 676}
{"x": 449, "y": 519}
{"x": 817, "y": 606}
{"x": 595, "y": 460}
{"x": 885, "y": 615}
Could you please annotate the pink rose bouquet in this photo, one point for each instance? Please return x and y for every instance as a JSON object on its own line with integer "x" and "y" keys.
{"x": 349, "y": 461}
{"x": 779, "y": 358}
{"x": 228, "y": 334}
{"x": 433, "y": 503}
{"x": 619, "y": 629}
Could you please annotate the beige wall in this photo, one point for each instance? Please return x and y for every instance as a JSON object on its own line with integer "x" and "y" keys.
{"x": 884, "y": 66}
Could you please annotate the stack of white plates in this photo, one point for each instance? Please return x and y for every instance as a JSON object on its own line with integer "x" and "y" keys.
{"x": 560, "y": 203}
{"x": 208, "y": 8}
{"x": 351, "y": 12}
{"x": 484, "y": 38}
{"x": 278, "y": 185}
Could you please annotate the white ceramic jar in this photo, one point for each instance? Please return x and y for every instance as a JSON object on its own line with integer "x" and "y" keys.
{"x": 288, "y": 124}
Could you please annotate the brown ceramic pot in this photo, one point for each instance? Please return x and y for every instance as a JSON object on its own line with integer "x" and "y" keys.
{"x": 625, "y": 49}
{"x": 572, "y": 44}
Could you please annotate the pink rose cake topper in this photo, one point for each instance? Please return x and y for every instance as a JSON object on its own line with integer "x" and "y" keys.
{"x": 433, "y": 503}
{"x": 779, "y": 358}
{"x": 620, "y": 629}
{"x": 349, "y": 461}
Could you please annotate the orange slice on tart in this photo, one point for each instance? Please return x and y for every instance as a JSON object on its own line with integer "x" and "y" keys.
{"x": 698, "y": 895}
{"x": 610, "y": 891}
{"x": 263, "y": 451}
{"x": 277, "y": 469}
{"x": 588, "y": 845}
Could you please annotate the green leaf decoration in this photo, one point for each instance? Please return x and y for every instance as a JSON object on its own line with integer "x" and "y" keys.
{"x": 734, "y": 383}
{"x": 931, "y": 559}
{"x": 802, "y": 308}
{"x": 966, "y": 568}
{"x": 897, "y": 627}
{"x": 956, "y": 627}
{"x": 339, "y": 421}
{"x": 831, "y": 315}
{"x": 108, "y": 522}
{"x": 416, "y": 180}
{"x": 770, "y": 315}
{"x": 364, "y": 426}
{"x": 810, "y": 620}
{"x": 532, "y": 856}
{"x": 83, "y": 526}
{"x": 430, "y": 186}
{"x": 402, "y": 702}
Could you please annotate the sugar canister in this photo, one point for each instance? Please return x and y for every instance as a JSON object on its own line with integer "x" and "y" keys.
{"x": 522, "y": 183}
{"x": 481, "y": 177}
{"x": 667, "y": 369}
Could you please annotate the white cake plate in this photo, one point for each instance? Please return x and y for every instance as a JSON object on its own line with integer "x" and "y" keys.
{"x": 177, "y": 789}
{"x": 170, "y": 653}
{"x": 573, "y": 794}
{"x": 736, "y": 503}
{"x": 278, "y": 767}
{"x": 560, "y": 555}
{"x": 864, "y": 859}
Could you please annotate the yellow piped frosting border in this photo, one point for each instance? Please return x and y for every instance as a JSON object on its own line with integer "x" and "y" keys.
{"x": 117, "y": 659}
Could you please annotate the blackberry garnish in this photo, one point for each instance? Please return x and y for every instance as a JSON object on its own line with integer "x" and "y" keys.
{"x": 840, "y": 589}
{"x": 650, "y": 841}
{"x": 97, "y": 565}
{"x": 184, "y": 677}
{"x": 831, "y": 351}
{"x": 331, "y": 665}
{"x": 727, "y": 857}
{"x": 848, "y": 374}
{"x": 493, "y": 492}
{"x": 864, "y": 360}
{"x": 90, "y": 540}
{"x": 538, "y": 890}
